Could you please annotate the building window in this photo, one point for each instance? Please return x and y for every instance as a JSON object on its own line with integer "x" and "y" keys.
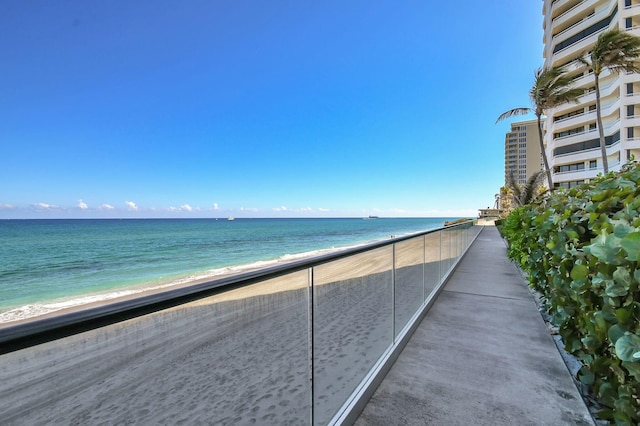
{"x": 630, "y": 110}
{"x": 593, "y": 164}
{"x": 569, "y": 168}
{"x": 583, "y": 146}
{"x": 569, "y": 185}
{"x": 569, "y": 132}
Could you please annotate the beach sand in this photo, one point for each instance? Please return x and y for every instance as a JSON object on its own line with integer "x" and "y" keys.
{"x": 239, "y": 357}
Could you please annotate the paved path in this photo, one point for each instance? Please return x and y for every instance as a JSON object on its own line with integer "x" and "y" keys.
{"x": 481, "y": 356}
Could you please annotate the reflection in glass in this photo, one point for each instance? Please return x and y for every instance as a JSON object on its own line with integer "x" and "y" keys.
{"x": 409, "y": 280}
{"x": 352, "y": 325}
{"x": 239, "y": 357}
{"x": 432, "y": 270}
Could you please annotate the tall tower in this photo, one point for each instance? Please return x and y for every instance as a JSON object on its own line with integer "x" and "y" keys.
{"x": 571, "y": 27}
{"x": 522, "y": 154}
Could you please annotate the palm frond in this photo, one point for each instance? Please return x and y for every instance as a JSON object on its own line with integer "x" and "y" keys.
{"x": 516, "y": 189}
{"x": 617, "y": 50}
{"x": 512, "y": 112}
{"x": 552, "y": 88}
{"x": 530, "y": 190}
{"x": 527, "y": 193}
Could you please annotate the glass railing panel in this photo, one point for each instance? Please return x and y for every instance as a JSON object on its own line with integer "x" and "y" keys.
{"x": 447, "y": 249}
{"x": 352, "y": 325}
{"x": 239, "y": 357}
{"x": 409, "y": 276}
{"x": 432, "y": 271}
{"x": 453, "y": 246}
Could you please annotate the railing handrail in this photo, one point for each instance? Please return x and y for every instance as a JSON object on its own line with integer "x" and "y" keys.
{"x": 33, "y": 332}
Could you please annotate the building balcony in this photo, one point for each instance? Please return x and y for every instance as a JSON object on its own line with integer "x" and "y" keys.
{"x": 631, "y": 143}
{"x": 580, "y": 8}
{"x": 583, "y": 174}
{"x": 575, "y": 137}
{"x": 585, "y": 155}
{"x": 573, "y": 121}
{"x": 630, "y": 121}
{"x": 583, "y": 32}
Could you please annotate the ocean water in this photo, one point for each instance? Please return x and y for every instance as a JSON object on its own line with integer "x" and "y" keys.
{"x": 48, "y": 265}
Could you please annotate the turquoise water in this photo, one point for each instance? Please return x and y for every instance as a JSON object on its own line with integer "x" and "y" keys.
{"x": 46, "y": 265}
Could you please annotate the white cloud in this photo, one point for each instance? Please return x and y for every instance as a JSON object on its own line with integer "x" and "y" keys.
{"x": 323, "y": 210}
{"x": 215, "y": 206}
{"x": 7, "y": 206}
{"x": 186, "y": 207}
{"x": 82, "y": 205}
{"x": 44, "y": 206}
{"x": 107, "y": 207}
{"x": 132, "y": 206}
{"x": 280, "y": 209}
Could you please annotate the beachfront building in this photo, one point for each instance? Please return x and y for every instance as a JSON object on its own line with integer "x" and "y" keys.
{"x": 572, "y": 142}
{"x": 522, "y": 155}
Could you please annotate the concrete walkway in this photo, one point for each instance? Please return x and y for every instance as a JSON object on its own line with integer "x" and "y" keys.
{"x": 481, "y": 356}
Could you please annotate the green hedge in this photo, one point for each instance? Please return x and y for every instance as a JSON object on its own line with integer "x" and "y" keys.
{"x": 581, "y": 249}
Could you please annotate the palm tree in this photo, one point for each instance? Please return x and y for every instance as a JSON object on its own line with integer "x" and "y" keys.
{"x": 618, "y": 51}
{"x": 527, "y": 193}
{"x": 551, "y": 88}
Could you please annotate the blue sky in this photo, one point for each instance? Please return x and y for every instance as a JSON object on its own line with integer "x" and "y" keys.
{"x": 215, "y": 108}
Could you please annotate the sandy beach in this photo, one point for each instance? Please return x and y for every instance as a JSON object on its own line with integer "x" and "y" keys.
{"x": 239, "y": 357}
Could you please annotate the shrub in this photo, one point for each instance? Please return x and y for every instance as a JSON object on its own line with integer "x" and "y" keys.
{"x": 581, "y": 249}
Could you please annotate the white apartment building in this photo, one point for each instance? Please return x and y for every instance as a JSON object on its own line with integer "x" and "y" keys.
{"x": 571, "y": 136}
{"x": 522, "y": 154}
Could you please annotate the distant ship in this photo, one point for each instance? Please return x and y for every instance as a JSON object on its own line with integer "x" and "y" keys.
{"x": 230, "y": 218}
{"x": 371, "y": 217}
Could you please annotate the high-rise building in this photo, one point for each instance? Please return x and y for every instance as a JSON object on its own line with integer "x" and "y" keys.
{"x": 571, "y": 27}
{"x": 522, "y": 155}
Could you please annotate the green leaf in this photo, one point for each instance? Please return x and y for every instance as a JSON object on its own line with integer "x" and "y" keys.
{"x": 579, "y": 273}
{"x": 585, "y": 376}
{"x": 633, "y": 368}
{"x": 616, "y": 290}
{"x": 631, "y": 244}
{"x": 608, "y": 394}
{"x": 572, "y": 234}
{"x": 622, "y": 229}
{"x": 628, "y": 347}
{"x": 624, "y": 315}
{"x": 605, "y": 247}
{"x": 622, "y": 277}
{"x": 615, "y": 333}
